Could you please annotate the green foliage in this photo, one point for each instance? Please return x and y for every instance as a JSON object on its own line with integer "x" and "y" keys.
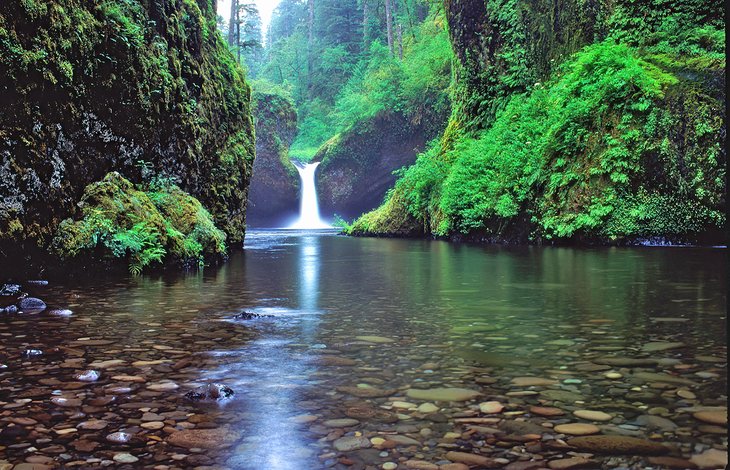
{"x": 145, "y": 228}
{"x": 623, "y": 143}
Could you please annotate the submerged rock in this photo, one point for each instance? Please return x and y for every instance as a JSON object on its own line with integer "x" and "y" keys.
{"x": 617, "y": 445}
{"x": 250, "y": 316}
{"x": 203, "y": 438}
{"x": 31, "y": 304}
{"x": 210, "y": 392}
{"x": 10, "y": 290}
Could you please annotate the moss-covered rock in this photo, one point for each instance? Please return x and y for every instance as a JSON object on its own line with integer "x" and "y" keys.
{"x": 143, "y": 88}
{"x": 273, "y": 195}
{"x": 358, "y": 165}
{"x": 118, "y": 221}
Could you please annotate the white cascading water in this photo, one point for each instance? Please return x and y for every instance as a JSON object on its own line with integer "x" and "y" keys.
{"x": 309, "y": 207}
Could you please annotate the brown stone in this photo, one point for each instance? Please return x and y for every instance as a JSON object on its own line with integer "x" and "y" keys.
{"x": 203, "y": 438}
{"x": 472, "y": 459}
{"x": 671, "y": 462}
{"x": 617, "y": 445}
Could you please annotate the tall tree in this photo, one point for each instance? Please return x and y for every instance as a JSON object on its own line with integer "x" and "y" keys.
{"x": 232, "y": 23}
{"x": 389, "y": 24}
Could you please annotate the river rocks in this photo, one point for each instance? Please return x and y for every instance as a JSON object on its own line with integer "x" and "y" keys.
{"x": 366, "y": 392}
{"x": 717, "y": 416}
{"x": 334, "y": 361}
{"x": 442, "y": 394}
{"x": 93, "y": 424}
{"x": 472, "y": 459}
{"x": 591, "y": 415}
{"x": 203, "y": 438}
{"x": 658, "y": 377}
{"x": 672, "y": 462}
{"x": 532, "y": 381}
{"x": 163, "y": 386}
{"x": 212, "y": 392}
{"x": 711, "y": 458}
{"x": 546, "y": 411}
{"x": 375, "y": 339}
{"x": 427, "y": 408}
{"x": 577, "y": 429}
{"x": 10, "y": 290}
{"x": 125, "y": 458}
{"x": 31, "y": 305}
{"x": 350, "y": 443}
{"x": 571, "y": 463}
{"x": 491, "y": 407}
{"x": 250, "y": 316}
{"x": 88, "y": 376}
{"x": 341, "y": 423}
{"x": 626, "y": 362}
{"x": 617, "y": 445}
{"x": 661, "y": 346}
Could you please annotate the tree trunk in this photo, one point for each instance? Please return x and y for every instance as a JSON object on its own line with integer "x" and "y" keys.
{"x": 389, "y": 24}
{"x": 400, "y": 41}
{"x": 310, "y": 45}
{"x": 232, "y": 23}
{"x": 310, "y": 22}
{"x": 364, "y": 24}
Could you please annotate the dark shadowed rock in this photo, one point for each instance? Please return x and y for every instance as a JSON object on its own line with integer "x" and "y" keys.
{"x": 10, "y": 290}
{"x": 31, "y": 304}
{"x": 210, "y": 392}
{"x": 250, "y": 316}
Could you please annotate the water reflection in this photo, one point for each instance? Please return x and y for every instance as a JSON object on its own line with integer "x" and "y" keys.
{"x": 271, "y": 369}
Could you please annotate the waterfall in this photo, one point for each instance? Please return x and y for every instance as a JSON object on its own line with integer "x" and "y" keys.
{"x": 309, "y": 207}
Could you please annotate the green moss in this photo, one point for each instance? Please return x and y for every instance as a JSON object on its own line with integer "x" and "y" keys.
{"x": 125, "y": 80}
{"x": 121, "y": 222}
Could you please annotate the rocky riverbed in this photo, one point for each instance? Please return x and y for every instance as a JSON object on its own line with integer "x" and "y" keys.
{"x": 100, "y": 380}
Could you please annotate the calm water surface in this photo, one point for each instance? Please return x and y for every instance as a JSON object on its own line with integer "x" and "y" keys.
{"x": 434, "y": 315}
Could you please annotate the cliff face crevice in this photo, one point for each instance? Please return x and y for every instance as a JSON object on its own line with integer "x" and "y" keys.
{"x": 145, "y": 88}
{"x": 273, "y": 197}
{"x": 358, "y": 166}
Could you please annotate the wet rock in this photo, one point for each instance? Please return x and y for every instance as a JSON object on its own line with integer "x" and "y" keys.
{"x": 442, "y": 394}
{"x": 626, "y": 362}
{"x": 577, "y": 429}
{"x": 250, "y": 316}
{"x": 672, "y": 462}
{"x": 711, "y": 458}
{"x": 521, "y": 428}
{"x": 532, "y": 381}
{"x": 212, "y": 392}
{"x": 546, "y": 411}
{"x": 29, "y": 353}
{"x": 661, "y": 346}
{"x": 472, "y": 459}
{"x": 656, "y": 422}
{"x": 66, "y": 402}
{"x": 204, "y": 438}
{"x": 10, "y": 434}
{"x": 9, "y": 290}
{"x": 334, "y": 361}
{"x": 125, "y": 458}
{"x": 617, "y": 445}
{"x": 341, "y": 423}
{"x": 350, "y": 443}
{"x": 88, "y": 376}
{"x": 572, "y": 463}
{"x": 31, "y": 304}
{"x": 10, "y": 309}
{"x": 718, "y": 416}
{"x": 374, "y": 339}
{"x": 366, "y": 392}
{"x": 592, "y": 415}
{"x": 121, "y": 437}
{"x": 491, "y": 407}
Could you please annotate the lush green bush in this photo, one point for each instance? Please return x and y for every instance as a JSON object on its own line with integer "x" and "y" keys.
{"x": 121, "y": 222}
{"x": 622, "y": 143}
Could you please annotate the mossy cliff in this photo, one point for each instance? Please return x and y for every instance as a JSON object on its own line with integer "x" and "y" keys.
{"x": 273, "y": 195}
{"x": 358, "y": 166}
{"x": 145, "y": 88}
{"x": 594, "y": 122}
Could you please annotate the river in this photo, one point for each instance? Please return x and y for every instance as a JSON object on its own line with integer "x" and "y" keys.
{"x": 377, "y": 352}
